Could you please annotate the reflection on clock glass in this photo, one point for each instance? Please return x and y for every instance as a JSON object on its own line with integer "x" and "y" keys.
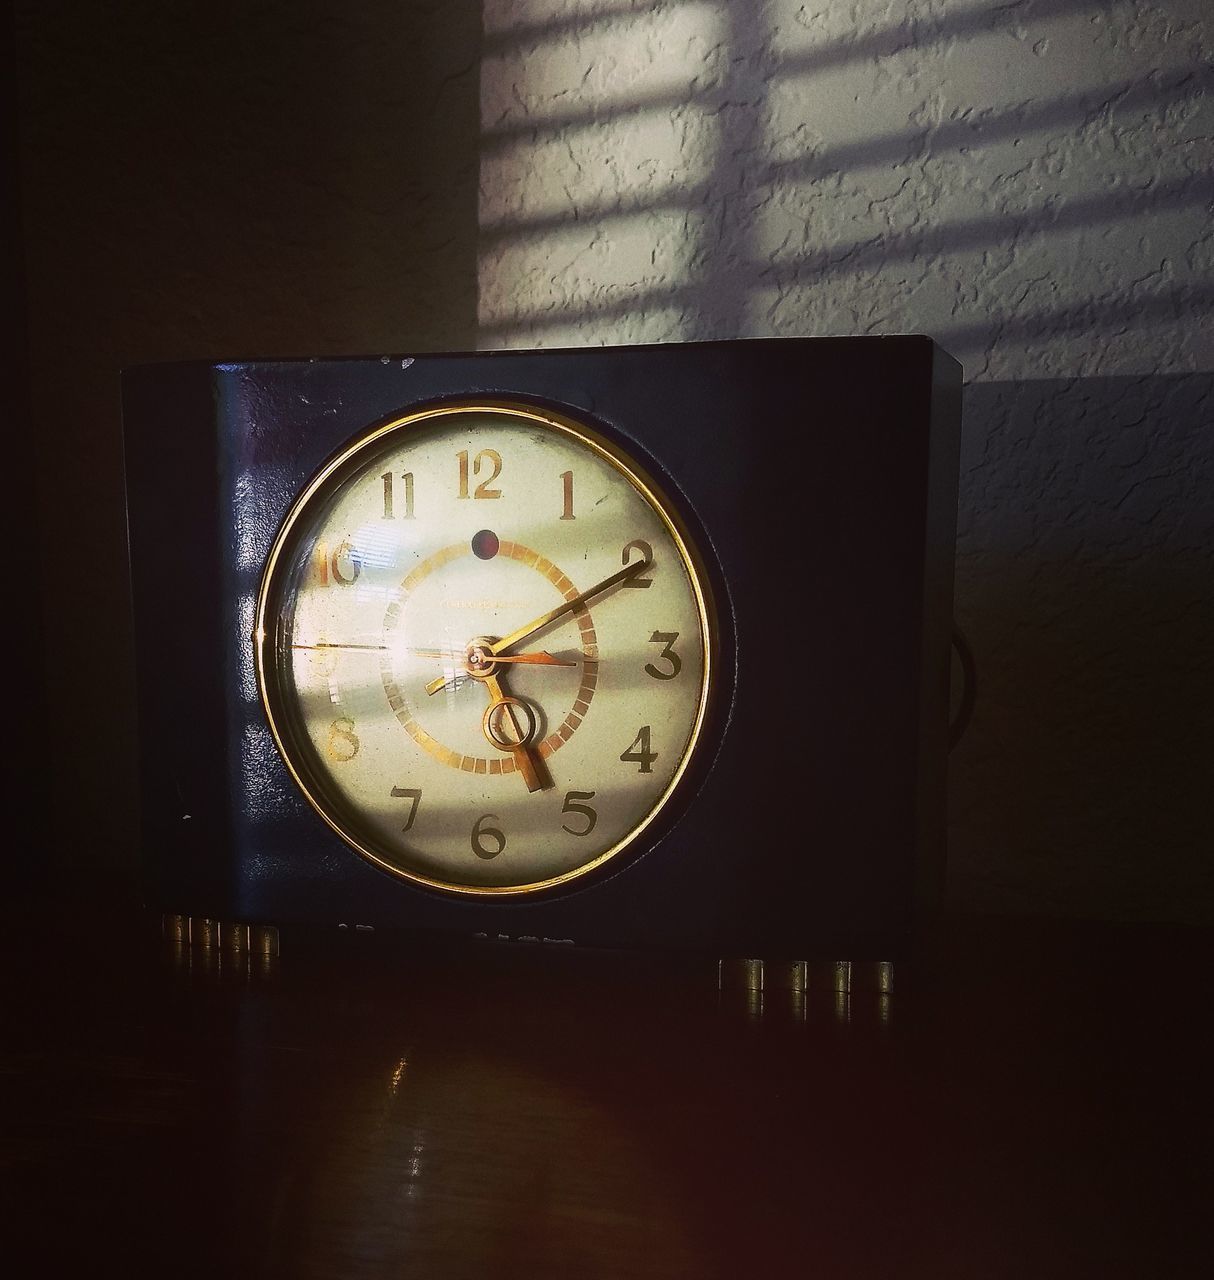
{"x": 484, "y": 646}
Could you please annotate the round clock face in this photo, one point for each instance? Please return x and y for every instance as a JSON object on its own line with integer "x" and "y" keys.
{"x": 485, "y": 648}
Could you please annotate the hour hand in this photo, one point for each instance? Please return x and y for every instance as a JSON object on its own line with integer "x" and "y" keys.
{"x": 502, "y": 727}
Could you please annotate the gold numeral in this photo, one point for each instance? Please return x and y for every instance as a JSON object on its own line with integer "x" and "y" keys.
{"x": 666, "y": 639}
{"x": 638, "y": 579}
{"x": 342, "y": 745}
{"x": 325, "y": 659}
{"x": 640, "y": 752}
{"x": 343, "y": 566}
{"x": 575, "y": 802}
{"x": 487, "y": 841}
{"x": 484, "y": 489}
{"x": 389, "y": 487}
{"x": 411, "y": 794}
{"x": 567, "y": 482}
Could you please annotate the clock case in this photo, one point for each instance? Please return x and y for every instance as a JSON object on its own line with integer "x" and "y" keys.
{"x": 818, "y": 478}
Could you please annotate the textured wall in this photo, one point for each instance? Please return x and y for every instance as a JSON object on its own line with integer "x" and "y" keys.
{"x": 212, "y": 180}
{"x": 1030, "y": 183}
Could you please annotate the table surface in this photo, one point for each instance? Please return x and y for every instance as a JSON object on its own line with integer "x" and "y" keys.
{"x": 1032, "y": 1100}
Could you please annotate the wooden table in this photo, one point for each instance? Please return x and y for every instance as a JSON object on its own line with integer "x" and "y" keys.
{"x": 1033, "y": 1100}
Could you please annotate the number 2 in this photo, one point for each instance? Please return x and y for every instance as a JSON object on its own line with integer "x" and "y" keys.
{"x": 638, "y": 579}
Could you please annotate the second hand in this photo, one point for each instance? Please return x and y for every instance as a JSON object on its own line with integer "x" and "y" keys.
{"x": 540, "y": 658}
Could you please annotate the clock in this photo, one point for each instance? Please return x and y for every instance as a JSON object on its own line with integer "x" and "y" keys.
{"x": 637, "y": 647}
{"x": 485, "y": 644}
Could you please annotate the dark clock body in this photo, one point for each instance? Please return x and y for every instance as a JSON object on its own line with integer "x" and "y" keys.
{"x": 816, "y": 478}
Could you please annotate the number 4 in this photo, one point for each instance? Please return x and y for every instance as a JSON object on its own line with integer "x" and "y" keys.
{"x": 639, "y": 752}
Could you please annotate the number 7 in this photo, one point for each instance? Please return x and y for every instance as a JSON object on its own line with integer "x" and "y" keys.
{"x": 409, "y": 793}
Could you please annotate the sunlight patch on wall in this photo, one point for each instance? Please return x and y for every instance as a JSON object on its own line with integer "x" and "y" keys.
{"x": 530, "y": 184}
{"x": 512, "y": 17}
{"x": 577, "y": 286}
{"x": 589, "y": 73}
{"x": 594, "y": 146}
{"x": 1029, "y": 182}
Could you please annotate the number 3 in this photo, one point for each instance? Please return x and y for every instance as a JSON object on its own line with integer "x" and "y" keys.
{"x": 666, "y": 639}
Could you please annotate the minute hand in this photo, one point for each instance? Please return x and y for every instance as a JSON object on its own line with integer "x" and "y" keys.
{"x": 545, "y": 619}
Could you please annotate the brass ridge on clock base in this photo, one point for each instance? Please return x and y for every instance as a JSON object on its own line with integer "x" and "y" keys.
{"x": 841, "y": 976}
{"x": 796, "y": 977}
{"x": 786, "y": 985}
{"x": 762, "y": 990}
{"x": 201, "y": 933}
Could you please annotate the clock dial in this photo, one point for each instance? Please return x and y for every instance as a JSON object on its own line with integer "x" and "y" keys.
{"x": 485, "y": 647}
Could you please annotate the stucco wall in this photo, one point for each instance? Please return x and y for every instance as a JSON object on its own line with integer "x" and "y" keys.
{"x": 1030, "y": 183}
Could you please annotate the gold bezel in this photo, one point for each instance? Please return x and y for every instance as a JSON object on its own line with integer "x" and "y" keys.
{"x": 266, "y": 658}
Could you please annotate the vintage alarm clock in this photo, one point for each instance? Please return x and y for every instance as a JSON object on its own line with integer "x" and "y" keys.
{"x": 639, "y": 647}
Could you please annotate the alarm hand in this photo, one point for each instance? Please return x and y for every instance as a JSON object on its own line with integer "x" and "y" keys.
{"x": 478, "y": 660}
{"x": 540, "y": 658}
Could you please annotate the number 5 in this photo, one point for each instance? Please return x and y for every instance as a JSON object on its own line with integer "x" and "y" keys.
{"x": 573, "y": 805}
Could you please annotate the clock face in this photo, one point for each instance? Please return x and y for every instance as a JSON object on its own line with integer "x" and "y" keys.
{"x": 485, "y": 646}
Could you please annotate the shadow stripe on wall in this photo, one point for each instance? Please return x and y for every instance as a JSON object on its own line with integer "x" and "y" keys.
{"x": 1191, "y": 303}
